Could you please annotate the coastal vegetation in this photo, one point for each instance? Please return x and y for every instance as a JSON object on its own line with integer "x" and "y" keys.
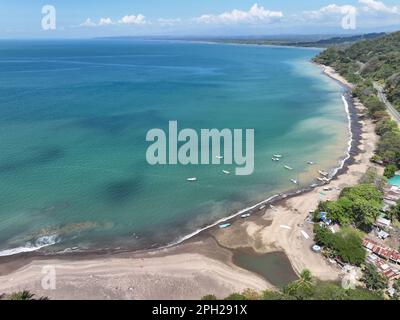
{"x": 373, "y": 279}
{"x": 370, "y": 66}
{"x": 306, "y": 288}
{"x": 345, "y": 244}
{"x": 367, "y": 64}
{"x": 358, "y": 206}
{"x": 21, "y": 295}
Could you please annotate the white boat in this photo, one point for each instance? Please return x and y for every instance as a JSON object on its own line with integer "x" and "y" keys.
{"x": 244, "y": 216}
{"x": 219, "y": 157}
{"x": 314, "y": 185}
{"x": 224, "y": 226}
{"x": 289, "y": 168}
{"x": 275, "y": 159}
{"x": 192, "y": 179}
{"x": 323, "y": 173}
{"x": 294, "y": 181}
{"x": 320, "y": 179}
{"x": 278, "y": 156}
{"x": 226, "y": 172}
{"x": 262, "y": 207}
{"x": 310, "y": 162}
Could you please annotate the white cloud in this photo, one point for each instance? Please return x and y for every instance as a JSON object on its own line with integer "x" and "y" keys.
{"x": 127, "y": 20}
{"x": 105, "y": 22}
{"x": 329, "y": 12}
{"x": 378, "y": 6}
{"x": 255, "y": 14}
{"x": 132, "y": 19}
{"x": 88, "y": 23}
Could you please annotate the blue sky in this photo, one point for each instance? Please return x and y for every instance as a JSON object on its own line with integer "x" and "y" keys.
{"x": 90, "y": 18}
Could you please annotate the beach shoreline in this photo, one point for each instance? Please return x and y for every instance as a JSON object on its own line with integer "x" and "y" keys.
{"x": 202, "y": 263}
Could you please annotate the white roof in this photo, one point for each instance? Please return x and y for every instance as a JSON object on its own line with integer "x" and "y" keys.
{"x": 383, "y": 234}
{"x": 383, "y": 221}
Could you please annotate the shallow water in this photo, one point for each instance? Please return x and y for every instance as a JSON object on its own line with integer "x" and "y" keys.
{"x": 74, "y": 116}
{"x": 275, "y": 267}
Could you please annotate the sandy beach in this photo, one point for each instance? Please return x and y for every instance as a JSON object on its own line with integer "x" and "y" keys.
{"x": 202, "y": 265}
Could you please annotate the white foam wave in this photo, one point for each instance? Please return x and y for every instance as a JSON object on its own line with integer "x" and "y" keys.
{"x": 350, "y": 141}
{"x": 30, "y": 246}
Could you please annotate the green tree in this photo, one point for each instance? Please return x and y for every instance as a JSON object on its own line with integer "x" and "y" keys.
{"x": 390, "y": 170}
{"x": 373, "y": 279}
{"x": 236, "y": 296}
{"x": 21, "y": 295}
{"x": 209, "y": 297}
{"x": 303, "y": 288}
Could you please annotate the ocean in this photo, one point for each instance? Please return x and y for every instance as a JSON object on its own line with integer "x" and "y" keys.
{"x": 74, "y": 116}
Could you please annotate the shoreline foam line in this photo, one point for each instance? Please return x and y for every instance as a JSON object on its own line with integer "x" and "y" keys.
{"x": 350, "y": 141}
{"x": 41, "y": 242}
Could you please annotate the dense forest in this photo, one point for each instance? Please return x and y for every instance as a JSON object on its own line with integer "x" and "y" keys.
{"x": 367, "y": 61}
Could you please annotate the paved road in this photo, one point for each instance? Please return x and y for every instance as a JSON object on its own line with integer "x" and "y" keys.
{"x": 390, "y": 108}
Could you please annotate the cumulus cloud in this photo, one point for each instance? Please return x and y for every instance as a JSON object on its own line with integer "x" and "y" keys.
{"x": 255, "y": 14}
{"x": 105, "y": 22}
{"x": 378, "y": 6}
{"x": 125, "y": 20}
{"x": 132, "y": 19}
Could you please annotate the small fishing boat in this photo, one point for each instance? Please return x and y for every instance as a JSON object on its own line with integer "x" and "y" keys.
{"x": 224, "y": 226}
{"x": 310, "y": 162}
{"x": 320, "y": 179}
{"x": 192, "y": 179}
{"x": 276, "y": 159}
{"x": 244, "y": 216}
{"x": 278, "y": 156}
{"x": 219, "y": 157}
{"x": 323, "y": 173}
{"x": 262, "y": 207}
{"x": 294, "y": 181}
{"x": 225, "y": 172}
{"x": 314, "y": 185}
{"x": 289, "y": 168}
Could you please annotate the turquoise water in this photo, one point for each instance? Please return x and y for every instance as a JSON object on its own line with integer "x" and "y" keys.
{"x": 74, "y": 116}
{"x": 395, "y": 181}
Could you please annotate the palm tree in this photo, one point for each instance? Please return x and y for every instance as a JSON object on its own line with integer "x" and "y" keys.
{"x": 301, "y": 288}
{"x": 21, "y": 295}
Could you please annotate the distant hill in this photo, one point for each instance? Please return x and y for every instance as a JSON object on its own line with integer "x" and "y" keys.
{"x": 370, "y": 60}
{"x": 299, "y": 40}
{"x": 338, "y": 40}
